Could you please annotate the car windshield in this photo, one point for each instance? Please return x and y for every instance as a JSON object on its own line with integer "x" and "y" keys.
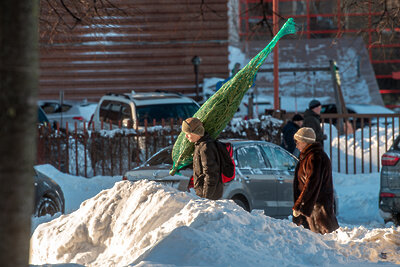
{"x": 162, "y": 157}
{"x": 165, "y": 111}
{"x": 42, "y": 118}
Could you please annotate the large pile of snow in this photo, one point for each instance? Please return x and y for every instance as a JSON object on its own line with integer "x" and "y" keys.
{"x": 146, "y": 223}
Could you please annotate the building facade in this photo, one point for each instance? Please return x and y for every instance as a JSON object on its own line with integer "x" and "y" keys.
{"x": 141, "y": 45}
{"x": 376, "y": 22}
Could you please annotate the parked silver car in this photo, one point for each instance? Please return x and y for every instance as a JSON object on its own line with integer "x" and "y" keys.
{"x": 389, "y": 193}
{"x": 130, "y": 108}
{"x": 70, "y": 111}
{"x": 264, "y": 176}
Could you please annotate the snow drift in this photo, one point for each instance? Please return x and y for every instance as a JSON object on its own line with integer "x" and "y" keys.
{"x": 146, "y": 223}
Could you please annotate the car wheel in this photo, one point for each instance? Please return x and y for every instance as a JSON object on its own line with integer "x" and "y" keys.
{"x": 386, "y": 221}
{"x": 46, "y": 206}
{"x": 241, "y": 204}
{"x": 396, "y": 219}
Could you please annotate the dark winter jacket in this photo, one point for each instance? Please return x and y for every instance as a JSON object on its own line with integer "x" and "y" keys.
{"x": 288, "y": 132}
{"x": 313, "y": 120}
{"x": 313, "y": 191}
{"x": 206, "y": 169}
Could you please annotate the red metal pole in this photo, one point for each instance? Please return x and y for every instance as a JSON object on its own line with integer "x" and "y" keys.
{"x": 339, "y": 26}
{"x": 275, "y": 10}
{"x": 308, "y": 19}
{"x": 369, "y": 32}
{"x": 247, "y": 21}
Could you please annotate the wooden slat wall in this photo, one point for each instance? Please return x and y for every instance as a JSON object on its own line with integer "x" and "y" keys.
{"x": 145, "y": 50}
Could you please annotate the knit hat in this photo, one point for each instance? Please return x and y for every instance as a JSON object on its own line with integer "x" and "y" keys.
{"x": 306, "y": 135}
{"x": 314, "y": 103}
{"x": 193, "y": 126}
{"x": 297, "y": 117}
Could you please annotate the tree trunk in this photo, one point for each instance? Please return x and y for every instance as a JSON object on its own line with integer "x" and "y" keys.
{"x": 18, "y": 116}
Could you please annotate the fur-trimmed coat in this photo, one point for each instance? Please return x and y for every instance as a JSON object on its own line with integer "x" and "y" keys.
{"x": 313, "y": 191}
{"x": 207, "y": 169}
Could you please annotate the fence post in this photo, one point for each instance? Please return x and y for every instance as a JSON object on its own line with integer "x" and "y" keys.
{"x": 146, "y": 147}
{"x": 393, "y": 128}
{"x": 67, "y": 146}
{"x": 110, "y": 150}
{"x": 163, "y": 135}
{"x": 93, "y": 150}
{"x": 386, "y": 139}
{"x": 172, "y": 130}
{"x": 76, "y": 149}
{"x": 330, "y": 138}
{"x": 137, "y": 143}
{"x": 377, "y": 145}
{"x": 102, "y": 149}
{"x": 120, "y": 148}
{"x": 84, "y": 148}
{"x": 346, "y": 152}
{"x": 354, "y": 146}
{"x": 40, "y": 149}
{"x": 362, "y": 145}
{"x": 155, "y": 146}
{"x": 370, "y": 147}
{"x": 129, "y": 151}
{"x": 338, "y": 147}
{"x": 58, "y": 146}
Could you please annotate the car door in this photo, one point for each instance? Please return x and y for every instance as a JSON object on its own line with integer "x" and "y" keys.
{"x": 283, "y": 164}
{"x": 258, "y": 178}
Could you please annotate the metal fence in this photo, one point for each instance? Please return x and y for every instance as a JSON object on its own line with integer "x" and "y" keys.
{"x": 89, "y": 152}
{"x": 355, "y": 143}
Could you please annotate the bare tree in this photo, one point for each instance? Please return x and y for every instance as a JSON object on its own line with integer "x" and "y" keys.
{"x": 18, "y": 114}
{"x": 385, "y": 19}
{"x": 62, "y": 16}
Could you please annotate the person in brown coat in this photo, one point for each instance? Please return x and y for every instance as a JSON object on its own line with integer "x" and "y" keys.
{"x": 206, "y": 161}
{"x": 312, "y": 185}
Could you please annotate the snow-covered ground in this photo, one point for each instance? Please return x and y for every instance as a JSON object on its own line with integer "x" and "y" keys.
{"x": 110, "y": 222}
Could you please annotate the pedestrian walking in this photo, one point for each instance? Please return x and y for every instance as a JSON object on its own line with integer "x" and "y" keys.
{"x": 206, "y": 160}
{"x": 288, "y": 132}
{"x": 312, "y": 185}
{"x": 312, "y": 119}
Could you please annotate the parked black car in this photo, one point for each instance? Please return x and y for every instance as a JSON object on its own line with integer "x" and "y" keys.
{"x": 357, "y": 109}
{"x": 49, "y": 198}
{"x": 389, "y": 193}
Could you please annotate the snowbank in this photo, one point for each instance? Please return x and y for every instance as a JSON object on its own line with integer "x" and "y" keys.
{"x": 146, "y": 223}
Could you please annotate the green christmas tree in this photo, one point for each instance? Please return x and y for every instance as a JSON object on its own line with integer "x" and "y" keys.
{"x": 219, "y": 109}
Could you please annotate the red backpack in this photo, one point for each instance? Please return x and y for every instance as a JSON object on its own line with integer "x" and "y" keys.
{"x": 227, "y": 163}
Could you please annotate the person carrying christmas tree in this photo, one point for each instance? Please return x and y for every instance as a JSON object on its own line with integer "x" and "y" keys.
{"x": 206, "y": 161}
